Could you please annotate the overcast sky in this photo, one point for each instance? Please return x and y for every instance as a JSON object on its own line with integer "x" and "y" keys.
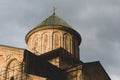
{"x": 98, "y": 22}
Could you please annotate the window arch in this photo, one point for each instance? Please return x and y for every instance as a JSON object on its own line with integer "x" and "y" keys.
{"x": 35, "y": 43}
{"x": 67, "y": 42}
{"x": 13, "y": 70}
{"x": 56, "y": 40}
{"x": 45, "y": 42}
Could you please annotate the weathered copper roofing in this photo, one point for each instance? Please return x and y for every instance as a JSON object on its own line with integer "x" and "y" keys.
{"x": 53, "y": 20}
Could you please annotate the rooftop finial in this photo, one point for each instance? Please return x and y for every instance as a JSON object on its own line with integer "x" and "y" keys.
{"x": 54, "y": 10}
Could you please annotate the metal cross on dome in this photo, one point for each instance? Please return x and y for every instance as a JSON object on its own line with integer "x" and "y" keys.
{"x": 54, "y": 10}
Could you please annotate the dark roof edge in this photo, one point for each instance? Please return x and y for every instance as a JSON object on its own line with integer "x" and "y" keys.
{"x": 98, "y": 63}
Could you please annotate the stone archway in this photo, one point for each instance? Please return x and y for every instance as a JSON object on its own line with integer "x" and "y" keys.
{"x": 13, "y": 69}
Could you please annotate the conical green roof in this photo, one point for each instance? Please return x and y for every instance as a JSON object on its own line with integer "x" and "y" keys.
{"x": 53, "y": 20}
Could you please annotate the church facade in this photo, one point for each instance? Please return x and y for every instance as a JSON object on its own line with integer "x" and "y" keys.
{"x": 50, "y": 35}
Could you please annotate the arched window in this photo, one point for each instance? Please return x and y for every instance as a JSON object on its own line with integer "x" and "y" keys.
{"x": 45, "y": 42}
{"x": 35, "y": 44}
{"x": 56, "y": 40}
{"x": 67, "y": 42}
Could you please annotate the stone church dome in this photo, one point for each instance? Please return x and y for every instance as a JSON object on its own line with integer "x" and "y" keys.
{"x": 53, "y": 33}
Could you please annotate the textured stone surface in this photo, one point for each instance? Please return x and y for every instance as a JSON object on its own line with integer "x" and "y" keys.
{"x": 49, "y": 39}
{"x": 10, "y": 61}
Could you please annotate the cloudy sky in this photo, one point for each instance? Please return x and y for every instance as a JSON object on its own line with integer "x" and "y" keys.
{"x": 98, "y": 22}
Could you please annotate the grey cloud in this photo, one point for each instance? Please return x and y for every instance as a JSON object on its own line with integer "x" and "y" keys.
{"x": 96, "y": 20}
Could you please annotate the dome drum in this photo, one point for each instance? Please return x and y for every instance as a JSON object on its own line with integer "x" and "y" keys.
{"x": 51, "y": 34}
{"x": 49, "y": 39}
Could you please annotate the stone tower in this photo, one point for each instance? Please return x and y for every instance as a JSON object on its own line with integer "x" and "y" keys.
{"x": 51, "y": 34}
